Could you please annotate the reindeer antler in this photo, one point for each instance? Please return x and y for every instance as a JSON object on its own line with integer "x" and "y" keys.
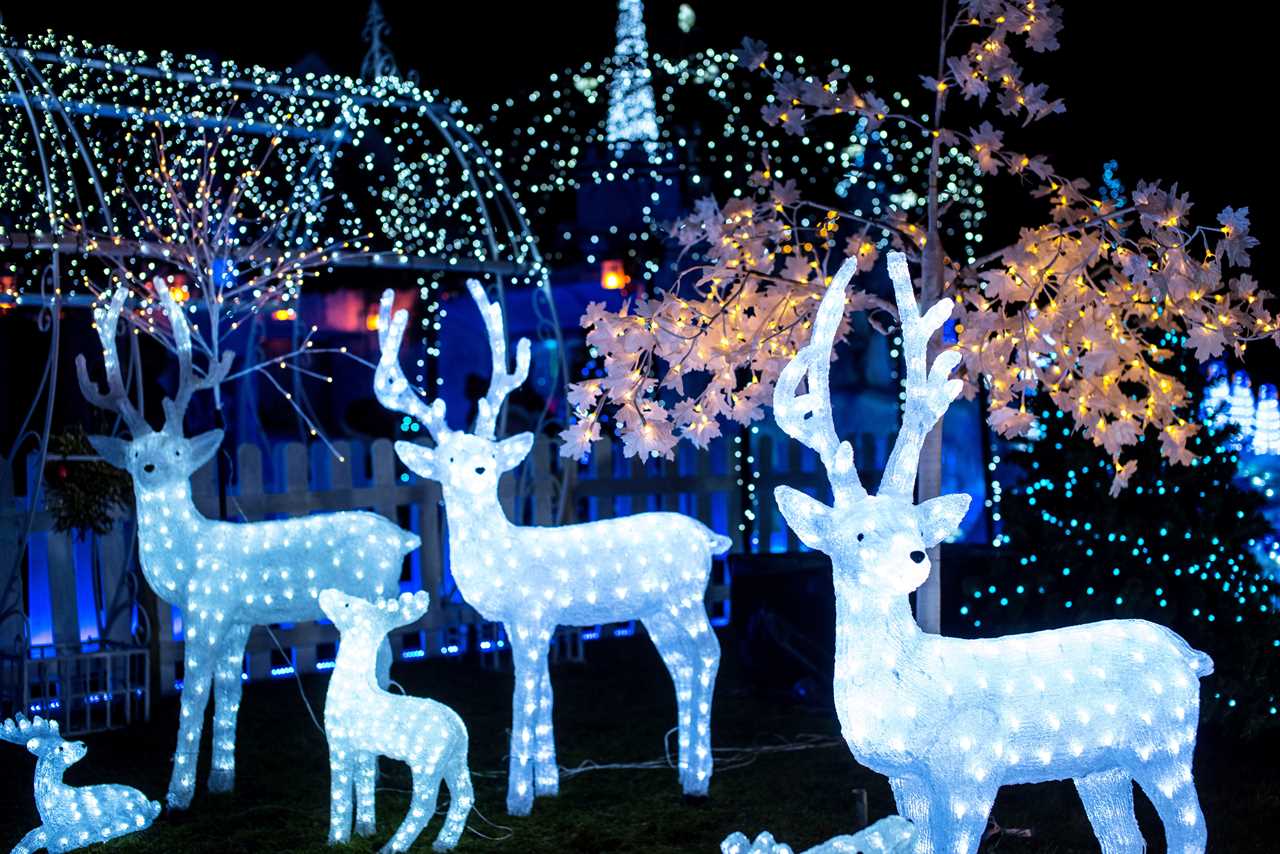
{"x": 807, "y": 417}
{"x": 188, "y": 384}
{"x": 19, "y": 730}
{"x": 501, "y": 383}
{"x": 389, "y": 382}
{"x": 929, "y": 391}
{"x": 116, "y": 399}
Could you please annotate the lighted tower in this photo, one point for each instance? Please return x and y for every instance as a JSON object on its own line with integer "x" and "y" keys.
{"x": 1240, "y": 406}
{"x": 632, "y": 115}
{"x": 378, "y": 61}
{"x": 1266, "y": 422}
{"x": 1213, "y": 409}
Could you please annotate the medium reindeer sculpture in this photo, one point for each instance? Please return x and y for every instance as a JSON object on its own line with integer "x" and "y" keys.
{"x": 363, "y": 721}
{"x": 226, "y": 577}
{"x": 72, "y": 817}
{"x": 652, "y": 567}
{"x": 950, "y": 721}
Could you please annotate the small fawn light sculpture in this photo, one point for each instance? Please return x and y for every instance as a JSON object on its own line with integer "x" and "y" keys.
{"x": 72, "y": 817}
{"x": 226, "y": 577}
{"x": 363, "y": 721}
{"x": 950, "y": 721}
{"x": 651, "y": 566}
{"x": 891, "y": 835}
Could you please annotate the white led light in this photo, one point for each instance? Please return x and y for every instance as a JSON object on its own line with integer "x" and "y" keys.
{"x": 652, "y": 567}
{"x": 226, "y": 577}
{"x": 892, "y": 835}
{"x": 950, "y": 721}
{"x": 363, "y": 721}
{"x": 72, "y": 817}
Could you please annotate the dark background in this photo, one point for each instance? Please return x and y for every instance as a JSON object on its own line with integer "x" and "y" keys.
{"x": 1170, "y": 95}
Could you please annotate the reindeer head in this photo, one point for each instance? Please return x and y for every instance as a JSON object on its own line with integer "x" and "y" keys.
{"x": 42, "y": 738}
{"x": 353, "y": 614}
{"x": 155, "y": 459}
{"x": 880, "y": 540}
{"x": 468, "y": 462}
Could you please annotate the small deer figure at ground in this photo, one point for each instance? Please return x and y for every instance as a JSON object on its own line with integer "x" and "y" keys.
{"x": 652, "y": 566}
{"x": 226, "y": 577}
{"x": 72, "y": 817}
{"x": 892, "y": 835}
{"x": 950, "y": 721}
{"x": 363, "y": 721}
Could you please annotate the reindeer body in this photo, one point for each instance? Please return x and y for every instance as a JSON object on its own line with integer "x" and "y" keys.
{"x": 362, "y": 721}
{"x": 653, "y": 567}
{"x": 226, "y": 577}
{"x": 949, "y": 720}
{"x": 73, "y": 817}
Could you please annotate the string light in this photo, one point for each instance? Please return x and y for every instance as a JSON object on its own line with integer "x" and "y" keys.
{"x": 949, "y": 720}
{"x": 531, "y": 579}
{"x": 226, "y": 577}
{"x": 72, "y": 817}
{"x": 363, "y": 721}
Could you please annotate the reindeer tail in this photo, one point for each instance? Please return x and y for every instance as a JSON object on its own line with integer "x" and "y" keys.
{"x": 718, "y": 544}
{"x": 1199, "y": 662}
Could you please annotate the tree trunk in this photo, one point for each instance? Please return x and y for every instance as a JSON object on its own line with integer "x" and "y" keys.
{"x": 929, "y": 474}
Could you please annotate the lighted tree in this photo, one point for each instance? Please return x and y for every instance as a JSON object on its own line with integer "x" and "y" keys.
{"x": 1088, "y": 304}
{"x": 216, "y": 227}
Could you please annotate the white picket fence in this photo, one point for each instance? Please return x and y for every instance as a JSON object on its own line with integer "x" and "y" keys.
{"x": 88, "y": 672}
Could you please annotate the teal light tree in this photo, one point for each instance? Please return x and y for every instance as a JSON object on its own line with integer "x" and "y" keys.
{"x": 1177, "y": 547}
{"x": 632, "y": 114}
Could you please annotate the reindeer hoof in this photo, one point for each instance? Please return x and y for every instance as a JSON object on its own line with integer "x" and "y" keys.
{"x": 221, "y": 780}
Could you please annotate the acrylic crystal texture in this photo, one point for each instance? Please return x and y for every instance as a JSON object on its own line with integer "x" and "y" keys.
{"x": 950, "y": 721}
{"x": 363, "y": 721}
{"x": 72, "y": 817}
{"x": 892, "y": 835}
{"x": 226, "y": 577}
{"x": 652, "y": 567}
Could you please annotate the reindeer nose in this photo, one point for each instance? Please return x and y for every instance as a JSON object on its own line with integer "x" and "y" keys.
{"x": 479, "y": 469}
{"x": 149, "y": 468}
{"x": 918, "y": 556}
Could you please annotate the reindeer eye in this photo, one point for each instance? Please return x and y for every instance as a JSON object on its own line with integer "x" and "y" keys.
{"x": 860, "y": 537}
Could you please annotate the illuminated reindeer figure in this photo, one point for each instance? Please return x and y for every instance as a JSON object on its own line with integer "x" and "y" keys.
{"x": 950, "y": 721}
{"x": 652, "y": 567}
{"x": 72, "y": 817}
{"x": 363, "y": 721}
{"x": 226, "y": 577}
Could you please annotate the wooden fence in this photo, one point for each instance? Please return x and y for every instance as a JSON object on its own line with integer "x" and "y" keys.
{"x": 78, "y": 648}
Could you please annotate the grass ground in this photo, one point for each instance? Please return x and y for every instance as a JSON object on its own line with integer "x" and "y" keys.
{"x": 613, "y": 709}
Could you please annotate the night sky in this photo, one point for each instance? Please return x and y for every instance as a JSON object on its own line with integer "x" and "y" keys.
{"x": 1170, "y": 96}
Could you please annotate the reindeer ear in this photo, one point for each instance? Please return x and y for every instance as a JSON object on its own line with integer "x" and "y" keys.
{"x": 512, "y": 451}
{"x": 806, "y": 515}
{"x": 204, "y": 446}
{"x": 420, "y": 459}
{"x": 939, "y": 517}
{"x": 114, "y": 451}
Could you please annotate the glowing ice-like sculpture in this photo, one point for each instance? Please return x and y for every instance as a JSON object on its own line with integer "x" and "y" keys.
{"x": 363, "y": 721}
{"x": 950, "y": 721}
{"x": 892, "y": 835}
{"x": 72, "y": 817}
{"x": 652, "y": 567}
{"x": 226, "y": 577}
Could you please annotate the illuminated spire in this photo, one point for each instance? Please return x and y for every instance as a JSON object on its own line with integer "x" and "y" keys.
{"x": 378, "y": 61}
{"x": 632, "y": 117}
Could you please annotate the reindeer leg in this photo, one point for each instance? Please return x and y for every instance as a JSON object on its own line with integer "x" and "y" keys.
{"x": 33, "y": 841}
{"x": 366, "y": 774}
{"x": 228, "y": 684}
{"x": 202, "y": 643}
{"x": 678, "y": 654}
{"x": 458, "y": 778}
{"x": 960, "y": 818}
{"x": 1108, "y": 801}
{"x": 528, "y": 655}
{"x": 422, "y": 806}
{"x": 546, "y": 773}
{"x": 1172, "y": 790}
{"x": 706, "y": 664}
{"x": 911, "y": 794}
{"x": 342, "y": 766}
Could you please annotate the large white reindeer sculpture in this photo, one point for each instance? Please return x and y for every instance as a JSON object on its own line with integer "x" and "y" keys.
{"x": 226, "y": 577}
{"x": 652, "y": 567}
{"x": 950, "y": 721}
{"x": 363, "y": 721}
